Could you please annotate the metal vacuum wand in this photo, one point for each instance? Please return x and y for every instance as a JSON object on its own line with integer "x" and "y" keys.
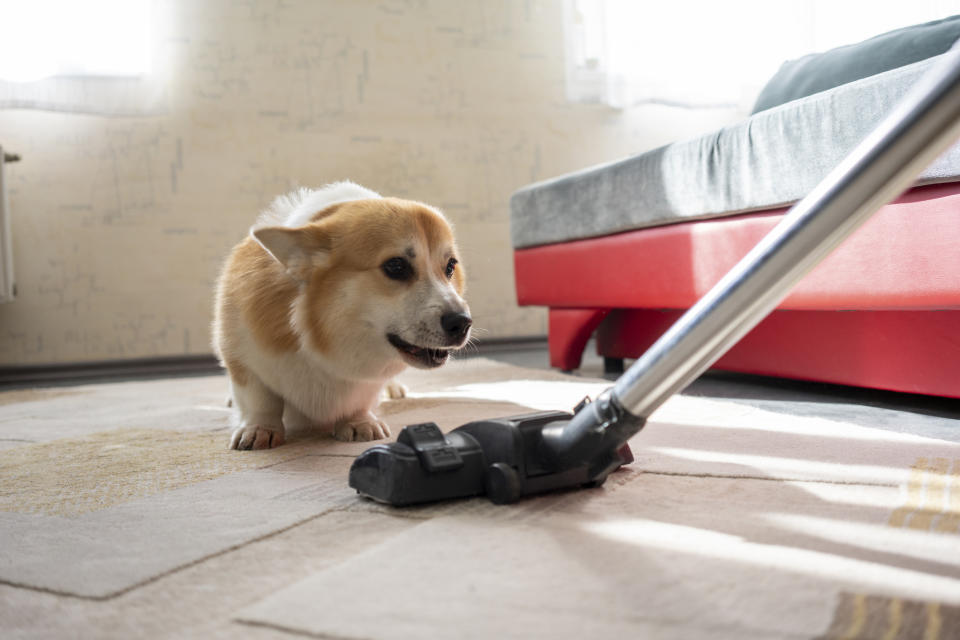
{"x": 881, "y": 167}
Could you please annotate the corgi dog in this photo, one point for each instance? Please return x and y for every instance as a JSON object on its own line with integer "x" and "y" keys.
{"x": 334, "y": 292}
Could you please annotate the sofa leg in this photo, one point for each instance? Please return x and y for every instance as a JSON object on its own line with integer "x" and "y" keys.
{"x": 569, "y": 331}
{"x": 612, "y": 366}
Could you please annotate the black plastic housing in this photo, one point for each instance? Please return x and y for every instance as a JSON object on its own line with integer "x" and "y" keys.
{"x": 501, "y": 458}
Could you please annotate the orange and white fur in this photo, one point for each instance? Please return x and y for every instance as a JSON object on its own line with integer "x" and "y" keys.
{"x": 334, "y": 292}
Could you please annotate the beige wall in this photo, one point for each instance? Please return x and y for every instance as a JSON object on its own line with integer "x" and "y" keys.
{"x": 120, "y": 223}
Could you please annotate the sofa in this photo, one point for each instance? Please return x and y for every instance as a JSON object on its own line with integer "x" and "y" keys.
{"x": 619, "y": 251}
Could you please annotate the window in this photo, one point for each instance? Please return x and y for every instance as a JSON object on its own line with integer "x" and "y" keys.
{"x": 703, "y": 53}
{"x": 89, "y": 56}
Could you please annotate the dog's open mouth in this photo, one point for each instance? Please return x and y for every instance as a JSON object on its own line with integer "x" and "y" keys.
{"x": 426, "y": 357}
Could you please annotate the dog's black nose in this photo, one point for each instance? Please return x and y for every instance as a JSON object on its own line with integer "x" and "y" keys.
{"x": 456, "y": 324}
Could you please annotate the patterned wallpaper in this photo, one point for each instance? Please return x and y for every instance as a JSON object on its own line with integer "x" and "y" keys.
{"x": 120, "y": 223}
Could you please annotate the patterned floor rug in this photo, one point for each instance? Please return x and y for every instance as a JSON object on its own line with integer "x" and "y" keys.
{"x": 749, "y": 512}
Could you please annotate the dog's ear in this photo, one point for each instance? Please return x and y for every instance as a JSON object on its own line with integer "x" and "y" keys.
{"x": 300, "y": 250}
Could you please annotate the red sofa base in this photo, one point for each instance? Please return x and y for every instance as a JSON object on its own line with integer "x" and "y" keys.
{"x": 882, "y": 311}
{"x": 892, "y": 350}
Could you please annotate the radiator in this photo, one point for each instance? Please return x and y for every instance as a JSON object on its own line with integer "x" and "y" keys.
{"x": 7, "y": 287}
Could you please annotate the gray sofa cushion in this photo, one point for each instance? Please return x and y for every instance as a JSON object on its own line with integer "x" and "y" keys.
{"x": 821, "y": 71}
{"x": 772, "y": 159}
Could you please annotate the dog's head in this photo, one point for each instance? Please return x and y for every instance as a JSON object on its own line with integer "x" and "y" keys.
{"x": 381, "y": 285}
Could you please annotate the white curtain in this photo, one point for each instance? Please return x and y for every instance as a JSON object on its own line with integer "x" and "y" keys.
{"x": 705, "y": 53}
{"x": 89, "y": 56}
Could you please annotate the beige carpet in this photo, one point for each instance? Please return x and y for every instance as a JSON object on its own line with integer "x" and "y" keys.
{"x": 748, "y": 513}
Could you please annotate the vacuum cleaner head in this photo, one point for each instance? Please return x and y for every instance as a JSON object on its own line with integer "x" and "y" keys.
{"x": 504, "y": 459}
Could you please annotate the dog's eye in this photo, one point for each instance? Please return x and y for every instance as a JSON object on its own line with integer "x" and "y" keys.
{"x": 451, "y": 265}
{"x": 397, "y": 269}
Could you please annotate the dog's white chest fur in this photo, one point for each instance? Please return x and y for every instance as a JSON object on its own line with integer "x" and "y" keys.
{"x": 319, "y": 397}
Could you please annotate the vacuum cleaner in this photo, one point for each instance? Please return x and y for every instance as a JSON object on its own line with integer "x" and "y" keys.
{"x": 509, "y": 458}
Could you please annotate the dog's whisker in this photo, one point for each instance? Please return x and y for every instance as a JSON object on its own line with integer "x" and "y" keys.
{"x": 472, "y": 345}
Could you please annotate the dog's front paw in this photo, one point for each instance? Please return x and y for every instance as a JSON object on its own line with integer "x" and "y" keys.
{"x": 256, "y": 436}
{"x": 361, "y": 429}
{"x": 394, "y": 390}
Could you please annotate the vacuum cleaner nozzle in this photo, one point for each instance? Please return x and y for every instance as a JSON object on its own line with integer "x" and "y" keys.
{"x": 504, "y": 458}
